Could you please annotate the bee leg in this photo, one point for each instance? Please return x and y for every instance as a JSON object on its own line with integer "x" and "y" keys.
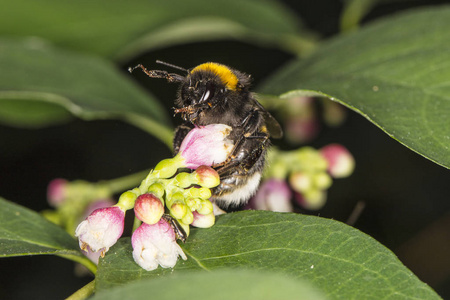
{"x": 250, "y": 124}
{"x": 179, "y": 231}
{"x": 242, "y": 159}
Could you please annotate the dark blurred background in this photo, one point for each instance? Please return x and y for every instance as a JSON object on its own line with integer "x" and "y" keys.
{"x": 406, "y": 196}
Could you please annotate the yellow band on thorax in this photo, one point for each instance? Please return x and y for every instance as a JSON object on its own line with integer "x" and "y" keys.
{"x": 227, "y": 77}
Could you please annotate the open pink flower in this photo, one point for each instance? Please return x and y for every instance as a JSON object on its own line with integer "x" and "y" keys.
{"x": 155, "y": 245}
{"x": 206, "y": 145}
{"x": 101, "y": 229}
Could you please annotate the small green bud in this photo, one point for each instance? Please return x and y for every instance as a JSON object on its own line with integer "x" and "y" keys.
{"x": 205, "y": 208}
{"x": 193, "y": 203}
{"x": 314, "y": 199}
{"x": 178, "y": 210}
{"x": 126, "y": 200}
{"x": 300, "y": 181}
{"x": 184, "y": 179}
{"x": 157, "y": 189}
{"x": 322, "y": 180}
{"x": 203, "y": 193}
{"x": 166, "y": 168}
{"x": 188, "y": 218}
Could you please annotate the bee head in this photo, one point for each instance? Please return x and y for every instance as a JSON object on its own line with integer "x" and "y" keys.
{"x": 209, "y": 86}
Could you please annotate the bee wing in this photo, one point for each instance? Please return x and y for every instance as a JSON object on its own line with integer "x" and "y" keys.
{"x": 273, "y": 126}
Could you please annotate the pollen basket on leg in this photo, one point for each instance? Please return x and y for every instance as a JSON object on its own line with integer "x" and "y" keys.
{"x": 228, "y": 78}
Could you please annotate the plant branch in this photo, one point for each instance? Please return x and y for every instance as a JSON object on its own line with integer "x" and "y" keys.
{"x": 84, "y": 292}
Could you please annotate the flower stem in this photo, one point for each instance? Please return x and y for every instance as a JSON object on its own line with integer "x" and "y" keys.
{"x": 162, "y": 132}
{"x": 81, "y": 259}
{"x": 354, "y": 11}
{"x": 126, "y": 182}
{"x": 84, "y": 292}
{"x": 136, "y": 224}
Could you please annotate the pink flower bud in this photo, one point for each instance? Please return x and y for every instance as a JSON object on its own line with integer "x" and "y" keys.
{"x": 57, "y": 191}
{"x": 155, "y": 245}
{"x": 340, "y": 161}
{"x": 148, "y": 208}
{"x": 203, "y": 221}
{"x": 206, "y": 145}
{"x": 206, "y": 177}
{"x": 274, "y": 195}
{"x": 101, "y": 229}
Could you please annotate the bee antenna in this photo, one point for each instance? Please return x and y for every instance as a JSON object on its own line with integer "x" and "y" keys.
{"x": 171, "y": 65}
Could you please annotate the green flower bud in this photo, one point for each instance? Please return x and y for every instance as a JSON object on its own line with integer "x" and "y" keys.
{"x": 184, "y": 180}
{"x": 175, "y": 197}
{"x": 166, "y": 168}
{"x": 193, "y": 203}
{"x": 188, "y": 218}
{"x": 300, "y": 181}
{"x": 203, "y": 193}
{"x": 157, "y": 189}
{"x": 126, "y": 200}
{"x": 205, "y": 208}
{"x": 314, "y": 199}
{"x": 178, "y": 210}
{"x": 322, "y": 180}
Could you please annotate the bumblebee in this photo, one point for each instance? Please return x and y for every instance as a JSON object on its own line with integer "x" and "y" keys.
{"x": 213, "y": 93}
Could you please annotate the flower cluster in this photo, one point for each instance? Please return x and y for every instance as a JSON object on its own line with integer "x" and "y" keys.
{"x": 309, "y": 174}
{"x": 166, "y": 193}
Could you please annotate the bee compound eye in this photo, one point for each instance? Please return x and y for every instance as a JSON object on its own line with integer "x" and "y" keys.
{"x": 209, "y": 92}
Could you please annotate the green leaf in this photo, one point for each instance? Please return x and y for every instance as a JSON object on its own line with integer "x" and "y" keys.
{"x": 25, "y": 232}
{"x": 339, "y": 260}
{"x": 395, "y": 72}
{"x": 224, "y": 284}
{"x": 115, "y": 28}
{"x": 37, "y": 80}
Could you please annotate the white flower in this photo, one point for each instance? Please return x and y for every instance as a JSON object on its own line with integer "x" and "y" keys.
{"x": 155, "y": 245}
{"x": 101, "y": 229}
{"x": 206, "y": 145}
